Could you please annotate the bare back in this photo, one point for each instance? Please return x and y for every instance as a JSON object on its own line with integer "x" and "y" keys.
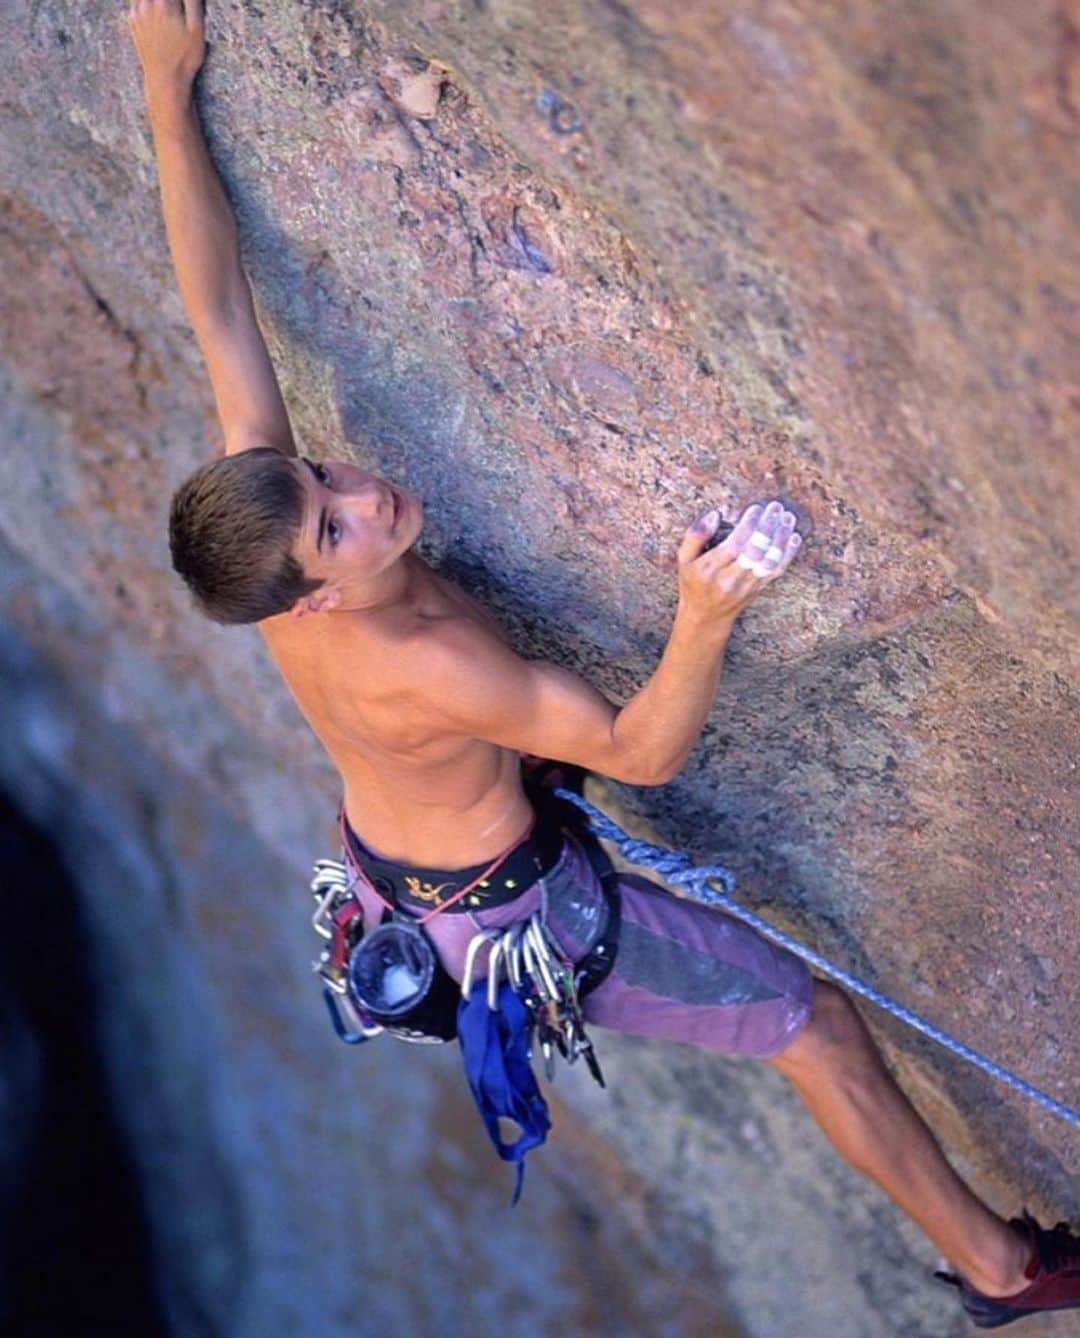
{"x": 413, "y": 792}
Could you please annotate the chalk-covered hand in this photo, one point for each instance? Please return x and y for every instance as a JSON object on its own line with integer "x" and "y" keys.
{"x": 719, "y": 584}
{"x": 170, "y": 38}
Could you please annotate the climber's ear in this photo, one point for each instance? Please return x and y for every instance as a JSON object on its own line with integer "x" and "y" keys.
{"x": 324, "y": 600}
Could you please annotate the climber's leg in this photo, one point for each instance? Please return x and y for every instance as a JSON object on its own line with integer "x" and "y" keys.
{"x": 838, "y": 1071}
{"x": 686, "y": 972}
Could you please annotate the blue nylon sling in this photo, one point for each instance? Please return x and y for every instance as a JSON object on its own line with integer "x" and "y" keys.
{"x": 495, "y": 1051}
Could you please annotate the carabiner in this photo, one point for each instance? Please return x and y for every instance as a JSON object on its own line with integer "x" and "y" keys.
{"x": 475, "y": 944}
{"x": 542, "y": 954}
{"x": 493, "y": 975}
{"x": 335, "y": 1005}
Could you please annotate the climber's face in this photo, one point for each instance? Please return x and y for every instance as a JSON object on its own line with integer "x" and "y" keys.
{"x": 355, "y": 525}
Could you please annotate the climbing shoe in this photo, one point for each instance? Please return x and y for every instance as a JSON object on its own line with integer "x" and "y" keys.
{"x": 1053, "y": 1270}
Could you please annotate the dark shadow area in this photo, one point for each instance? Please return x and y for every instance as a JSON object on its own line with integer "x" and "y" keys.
{"x": 75, "y": 1256}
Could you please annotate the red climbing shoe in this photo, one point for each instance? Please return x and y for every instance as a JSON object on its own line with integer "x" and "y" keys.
{"x": 1054, "y": 1270}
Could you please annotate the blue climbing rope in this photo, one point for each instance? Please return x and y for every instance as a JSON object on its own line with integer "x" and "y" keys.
{"x": 677, "y": 869}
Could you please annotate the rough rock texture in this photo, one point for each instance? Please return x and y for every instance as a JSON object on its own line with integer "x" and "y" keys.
{"x": 575, "y": 271}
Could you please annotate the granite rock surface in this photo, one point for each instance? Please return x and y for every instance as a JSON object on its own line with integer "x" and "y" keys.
{"x": 576, "y": 273}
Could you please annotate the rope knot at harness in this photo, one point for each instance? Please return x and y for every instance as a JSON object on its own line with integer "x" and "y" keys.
{"x": 701, "y": 883}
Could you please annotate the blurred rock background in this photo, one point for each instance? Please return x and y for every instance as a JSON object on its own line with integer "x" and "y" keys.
{"x": 574, "y": 273}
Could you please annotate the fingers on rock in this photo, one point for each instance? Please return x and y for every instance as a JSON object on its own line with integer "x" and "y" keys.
{"x": 736, "y": 540}
{"x": 698, "y": 535}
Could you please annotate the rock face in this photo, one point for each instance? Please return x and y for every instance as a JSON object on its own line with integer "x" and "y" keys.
{"x": 577, "y": 272}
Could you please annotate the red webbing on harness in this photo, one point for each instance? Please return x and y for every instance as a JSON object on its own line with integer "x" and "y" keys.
{"x": 339, "y": 946}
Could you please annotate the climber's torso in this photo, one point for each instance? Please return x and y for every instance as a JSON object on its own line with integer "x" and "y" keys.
{"x": 413, "y": 792}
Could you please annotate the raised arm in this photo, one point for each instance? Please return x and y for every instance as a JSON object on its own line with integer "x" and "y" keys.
{"x": 169, "y": 36}
{"x": 475, "y": 685}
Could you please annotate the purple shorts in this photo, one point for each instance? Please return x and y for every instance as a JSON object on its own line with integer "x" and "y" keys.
{"x": 683, "y": 971}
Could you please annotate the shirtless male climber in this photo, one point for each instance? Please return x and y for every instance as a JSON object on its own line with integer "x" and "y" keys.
{"x": 426, "y": 712}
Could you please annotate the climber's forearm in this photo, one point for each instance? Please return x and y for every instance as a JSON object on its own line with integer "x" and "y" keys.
{"x": 199, "y": 219}
{"x": 663, "y": 722}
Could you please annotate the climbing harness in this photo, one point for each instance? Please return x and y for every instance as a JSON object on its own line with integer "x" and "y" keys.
{"x": 391, "y": 980}
{"x": 699, "y": 883}
{"x": 431, "y": 892}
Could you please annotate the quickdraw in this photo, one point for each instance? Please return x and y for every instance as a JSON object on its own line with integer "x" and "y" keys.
{"x": 531, "y": 961}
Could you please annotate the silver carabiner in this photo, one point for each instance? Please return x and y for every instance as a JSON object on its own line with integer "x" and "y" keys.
{"x": 348, "y": 1024}
{"x": 475, "y": 944}
{"x": 331, "y": 882}
{"x": 323, "y": 912}
{"x": 529, "y": 960}
{"x": 543, "y": 957}
{"x": 328, "y": 873}
{"x": 329, "y": 864}
{"x": 493, "y": 975}
{"x": 512, "y": 952}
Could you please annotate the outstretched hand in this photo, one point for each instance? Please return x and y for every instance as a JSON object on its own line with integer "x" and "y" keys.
{"x": 721, "y": 582}
{"x": 170, "y": 38}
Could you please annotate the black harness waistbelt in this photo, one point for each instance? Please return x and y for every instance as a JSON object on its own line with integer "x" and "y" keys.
{"x": 412, "y": 888}
{"x": 402, "y": 886}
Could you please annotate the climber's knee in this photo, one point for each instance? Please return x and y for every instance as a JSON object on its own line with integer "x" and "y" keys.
{"x": 835, "y": 1041}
